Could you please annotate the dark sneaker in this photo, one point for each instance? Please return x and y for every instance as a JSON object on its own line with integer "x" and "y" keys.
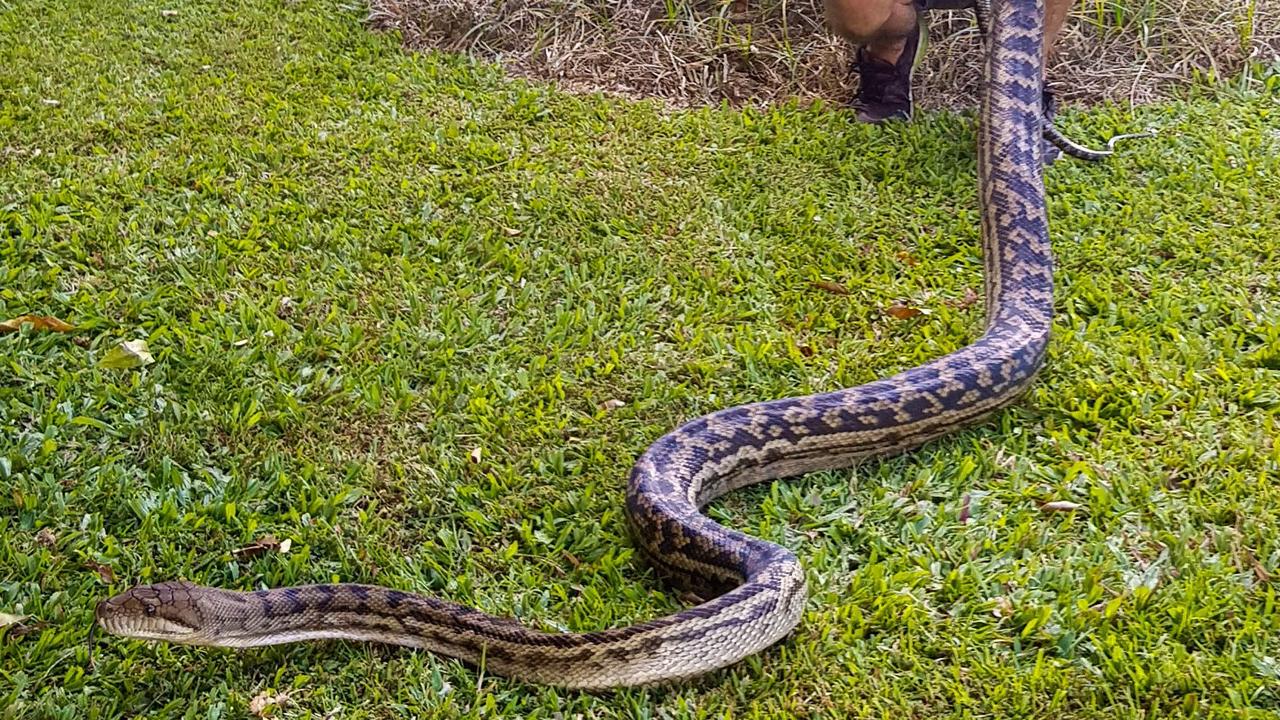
{"x": 884, "y": 88}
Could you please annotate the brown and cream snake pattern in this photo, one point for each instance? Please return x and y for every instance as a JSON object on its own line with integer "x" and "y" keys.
{"x": 759, "y": 587}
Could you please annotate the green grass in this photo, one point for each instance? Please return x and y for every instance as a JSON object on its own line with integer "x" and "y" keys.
{"x": 474, "y": 263}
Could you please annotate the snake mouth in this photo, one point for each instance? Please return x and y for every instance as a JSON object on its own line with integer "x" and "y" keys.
{"x": 112, "y": 615}
{"x": 142, "y": 613}
{"x": 106, "y": 616}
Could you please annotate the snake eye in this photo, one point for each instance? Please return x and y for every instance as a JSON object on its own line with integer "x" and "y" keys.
{"x": 149, "y": 610}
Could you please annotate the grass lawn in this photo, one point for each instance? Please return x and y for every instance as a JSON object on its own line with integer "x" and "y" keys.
{"x": 390, "y": 298}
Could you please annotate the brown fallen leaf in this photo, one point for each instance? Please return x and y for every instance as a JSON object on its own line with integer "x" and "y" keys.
{"x": 261, "y": 546}
{"x": 39, "y": 323}
{"x": 45, "y": 538}
{"x": 834, "y": 288}
{"x": 965, "y": 301}
{"x": 903, "y": 312}
{"x": 265, "y": 703}
{"x": 1259, "y": 571}
{"x": 908, "y": 259}
{"x": 964, "y": 508}
{"x": 105, "y": 573}
{"x": 806, "y": 351}
{"x": 1059, "y": 506}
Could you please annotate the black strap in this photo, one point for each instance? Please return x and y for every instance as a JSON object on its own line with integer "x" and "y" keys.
{"x": 943, "y": 4}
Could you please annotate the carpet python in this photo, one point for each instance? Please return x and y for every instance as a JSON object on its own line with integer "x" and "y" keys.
{"x": 759, "y": 587}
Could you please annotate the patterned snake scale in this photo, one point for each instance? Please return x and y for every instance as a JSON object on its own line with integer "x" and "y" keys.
{"x": 762, "y": 586}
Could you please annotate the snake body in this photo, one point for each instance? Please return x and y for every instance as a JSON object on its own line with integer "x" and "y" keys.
{"x": 760, "y": 587}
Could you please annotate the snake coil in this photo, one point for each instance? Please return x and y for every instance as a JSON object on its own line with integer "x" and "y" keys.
{"x": 761, "y": 586}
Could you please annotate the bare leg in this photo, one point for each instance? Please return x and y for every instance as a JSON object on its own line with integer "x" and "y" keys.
{"x": 882, "y": 26}
{"x": 1055, "y": 14}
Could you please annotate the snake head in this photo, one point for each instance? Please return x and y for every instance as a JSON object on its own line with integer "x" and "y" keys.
{"x": 167, "y": 611}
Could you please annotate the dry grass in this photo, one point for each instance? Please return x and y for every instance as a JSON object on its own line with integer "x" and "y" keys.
{"x": 713, "y": 51}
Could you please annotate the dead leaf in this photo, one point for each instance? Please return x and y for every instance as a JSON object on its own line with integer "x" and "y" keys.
{"x": 512, "y": 232}
{"x": 264, "y": 703}
{"x": 21, "y": 630}
{"x": 168, "y": 13}
{"x": 805, "y": 351}
{"x": 611, "y": 404}
{"x": 39, "y": 323}
{"x": 903, "y": 312}
{"x": 907, "y": 258}
{"x": 1059, "y": 506}
{"x": 1259, "y": 571}
{"x": 105, "y": 573}
{"x": 46, "y": 538}
{"x": 965, "y": 301}
{"x": 834, "y": 288}
{"x": 285, "y": 307}
{"x": 127, "y": 355}
{"x": 964, "y": 508}
{"x": 261, "y": 546}
{"x": 6, "y": 619}
{"x": 475, "y": 455}
{"x": 1003, "y": 608}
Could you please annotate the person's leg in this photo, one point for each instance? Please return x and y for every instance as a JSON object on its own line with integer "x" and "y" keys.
{"x": 1055, "y": 14}
{"x": 882, "y": 26}
{"x": 888, "y": 34}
